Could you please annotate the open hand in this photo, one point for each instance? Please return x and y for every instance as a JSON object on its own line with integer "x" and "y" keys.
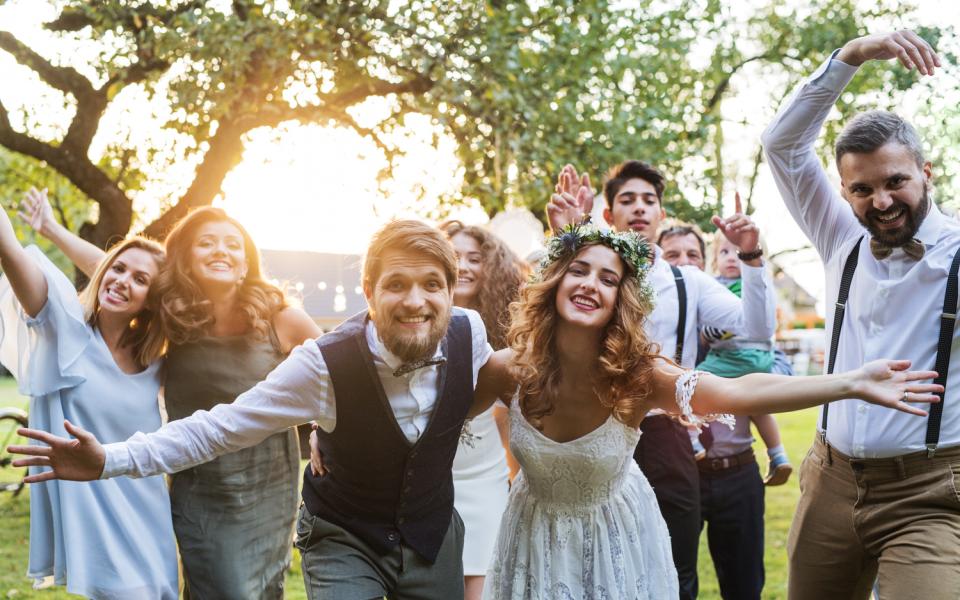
{"x": 904, "y": 45}
{"x": 739, "y": 228}
{"x": 572, "y": 199}
{"x": 889, "y": 383}
{"x": 80, "y": 459}
{"x": 316, "y": 457}
{"x": 36, "y": 211}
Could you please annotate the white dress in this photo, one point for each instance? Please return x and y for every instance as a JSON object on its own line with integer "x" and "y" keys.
{"x": 481, "y": 484}
{"x": 582, "y": 521}
{"x": 111, "y": 539}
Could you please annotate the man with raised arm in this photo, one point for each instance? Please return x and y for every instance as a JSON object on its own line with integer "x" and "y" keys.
{"x": 879, "y": 492}
{"x": 634, "y": 196}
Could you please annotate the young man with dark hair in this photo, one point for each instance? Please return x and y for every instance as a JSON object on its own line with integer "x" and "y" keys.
{"x": 879, "y": 496}
{"x": 686, "y": 299}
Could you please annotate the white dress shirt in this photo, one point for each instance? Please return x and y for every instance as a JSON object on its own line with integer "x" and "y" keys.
{"x": 708, "y": 304}
{"x": 297, "y": 391}
{"x": 894, "y": 306}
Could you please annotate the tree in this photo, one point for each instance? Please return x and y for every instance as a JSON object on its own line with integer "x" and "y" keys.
{"x": 523, "y": 87}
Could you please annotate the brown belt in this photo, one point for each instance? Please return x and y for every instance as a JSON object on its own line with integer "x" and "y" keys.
{"x": 714, "y": 465}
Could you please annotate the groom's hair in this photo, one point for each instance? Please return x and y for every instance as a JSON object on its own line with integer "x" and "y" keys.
{"x": 412, "y": 237}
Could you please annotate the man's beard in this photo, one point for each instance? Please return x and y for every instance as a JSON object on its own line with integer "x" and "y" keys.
{"x": 407, "y": 346}
{"x": 900, "y": 236}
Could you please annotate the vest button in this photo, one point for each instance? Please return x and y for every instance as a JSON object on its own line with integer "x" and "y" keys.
{"x": 393, "y": 536}
{"x": 410, "y": 473}
{"x": 401, "y": 521}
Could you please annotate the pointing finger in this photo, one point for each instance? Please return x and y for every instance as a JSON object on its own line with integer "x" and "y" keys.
{"x": 737, "y": 208}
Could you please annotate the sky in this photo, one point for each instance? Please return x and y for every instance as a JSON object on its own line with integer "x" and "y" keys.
{"x": 314, "y": 188}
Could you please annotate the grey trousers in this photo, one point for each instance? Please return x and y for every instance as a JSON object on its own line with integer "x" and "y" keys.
{"x": 338, "y": 565}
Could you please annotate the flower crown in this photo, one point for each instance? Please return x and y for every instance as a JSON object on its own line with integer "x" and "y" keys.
{"x": 632, "y": 247}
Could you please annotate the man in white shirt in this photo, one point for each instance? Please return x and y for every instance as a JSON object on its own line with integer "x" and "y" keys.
{"x": 390, "y": 390}
{"x": 634, "y": 193}
{"x": 879, "y": 491}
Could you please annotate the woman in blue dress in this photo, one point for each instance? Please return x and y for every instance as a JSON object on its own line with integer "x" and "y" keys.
{"x": 92, "y": 360}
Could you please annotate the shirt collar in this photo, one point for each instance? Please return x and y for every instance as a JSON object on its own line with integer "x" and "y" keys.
{"x": 379, "y": 350}
{"x": 929, "y": 232}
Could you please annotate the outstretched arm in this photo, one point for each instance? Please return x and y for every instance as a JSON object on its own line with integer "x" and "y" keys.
{"x": 27, "y": 280}
{"x": 883, "y": 382}
{"x": 298, "y": 390}
{"x": 36, "y": 211}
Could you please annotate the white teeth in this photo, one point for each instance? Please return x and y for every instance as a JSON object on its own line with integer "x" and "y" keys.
{"x": 890, "y": 217}
{"x": 420, "y": 319}
{"x": 585, "y": 302}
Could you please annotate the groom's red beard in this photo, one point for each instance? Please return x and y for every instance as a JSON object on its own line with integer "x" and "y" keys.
{"x": 410, "y": 346}
{"x": 906, "y": 232}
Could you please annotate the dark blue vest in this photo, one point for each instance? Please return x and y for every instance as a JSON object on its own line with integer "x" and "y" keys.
{"x": 379, "y": 486}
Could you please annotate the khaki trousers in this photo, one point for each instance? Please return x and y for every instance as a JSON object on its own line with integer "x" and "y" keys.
{"x": 896, "y": 520}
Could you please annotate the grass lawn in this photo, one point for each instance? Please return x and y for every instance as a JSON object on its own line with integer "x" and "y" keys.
{"x": 797, "y": 430}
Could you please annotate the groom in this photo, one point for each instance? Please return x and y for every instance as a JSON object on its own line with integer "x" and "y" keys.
{"x": 380, "y": 521}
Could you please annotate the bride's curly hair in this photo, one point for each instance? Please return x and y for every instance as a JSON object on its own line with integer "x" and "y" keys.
{"x": 624, "y": 368}
{"x": 185, "y": 311}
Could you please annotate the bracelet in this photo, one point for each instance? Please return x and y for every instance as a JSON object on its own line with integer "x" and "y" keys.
{"x": 745, "y": 256}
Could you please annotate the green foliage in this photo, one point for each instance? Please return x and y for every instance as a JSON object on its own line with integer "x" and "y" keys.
{"x": 19, "y": 173}
{"x": 524, "y": 87}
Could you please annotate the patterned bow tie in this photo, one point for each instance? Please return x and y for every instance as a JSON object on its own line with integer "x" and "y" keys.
{"x": 914, "y": 249}
{"x": 418, "y": 364}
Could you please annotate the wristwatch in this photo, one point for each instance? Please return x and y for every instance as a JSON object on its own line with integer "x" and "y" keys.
{"x": 745, "y": 256}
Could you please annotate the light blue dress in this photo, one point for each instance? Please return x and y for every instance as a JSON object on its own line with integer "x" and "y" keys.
{"x": 110, "y": 539}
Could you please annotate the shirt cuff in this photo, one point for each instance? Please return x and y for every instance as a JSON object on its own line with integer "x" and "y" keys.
{"x": 117, "y": 460}
{"x": 834, "y": 74}
{"x": 753, "y": 273}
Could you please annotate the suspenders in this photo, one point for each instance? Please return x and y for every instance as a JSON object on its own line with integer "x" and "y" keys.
{"x": 948, "y": 319}
{"x": 682, "y": 318}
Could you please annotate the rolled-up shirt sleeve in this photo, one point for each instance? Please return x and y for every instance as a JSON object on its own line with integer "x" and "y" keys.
{"x": 296, "y": 391}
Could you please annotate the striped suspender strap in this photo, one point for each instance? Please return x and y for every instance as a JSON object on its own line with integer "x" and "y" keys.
{"x": 948, "y": 319}
{"x": 682, "y": 318}
{"x": 846, "y": 279}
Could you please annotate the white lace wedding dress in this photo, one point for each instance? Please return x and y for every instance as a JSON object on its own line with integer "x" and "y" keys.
{"x": 582, "y": 521}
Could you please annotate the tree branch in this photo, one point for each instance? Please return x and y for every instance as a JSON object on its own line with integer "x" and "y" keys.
{"x": 65, "y": 79}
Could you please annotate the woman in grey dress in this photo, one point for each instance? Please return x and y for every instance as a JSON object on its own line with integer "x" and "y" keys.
{"x": 228, "y": 328}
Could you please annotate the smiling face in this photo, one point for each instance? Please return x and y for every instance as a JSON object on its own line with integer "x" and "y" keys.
{"x": 123, "y": 289}
{"x": 410, "y": 304}
{"x": 587, "y": 293}
{"x": 217, "y": 255}
{"x": 470, "y": 270}
{"x": 636, "y": 207}
{"x": 680, "y": 250}
{"x": 887, "y": 191}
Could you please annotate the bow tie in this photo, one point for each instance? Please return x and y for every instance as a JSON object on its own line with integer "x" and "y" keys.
{"x": 418, "y": 364}
{"x": 914, "y": 249}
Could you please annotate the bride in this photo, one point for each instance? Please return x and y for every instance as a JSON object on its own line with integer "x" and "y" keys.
{"x": 579, "y": 376}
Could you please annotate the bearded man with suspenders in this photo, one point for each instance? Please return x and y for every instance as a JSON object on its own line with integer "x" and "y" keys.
{"x": 879, "y": 490}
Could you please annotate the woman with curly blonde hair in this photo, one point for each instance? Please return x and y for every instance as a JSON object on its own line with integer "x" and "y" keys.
{"x": 228, "y": 328}
{"x": 488, "y": 280}
{"x": 582, "y": 521}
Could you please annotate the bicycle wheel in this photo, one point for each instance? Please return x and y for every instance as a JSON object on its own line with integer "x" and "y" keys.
{"x": 11, "y": 478}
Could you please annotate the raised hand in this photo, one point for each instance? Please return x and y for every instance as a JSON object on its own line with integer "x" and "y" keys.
{"x": 572, "y": 199}
{"x": 79, "y": 459}
{"x": 904, "y": 45}
{"x": 889, "y": 383}
{"x": 739, "y": 228}
{"x": 36, "y": 211}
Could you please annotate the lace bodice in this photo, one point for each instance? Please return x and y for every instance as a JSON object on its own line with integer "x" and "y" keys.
{"x": 579, "y": 473}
